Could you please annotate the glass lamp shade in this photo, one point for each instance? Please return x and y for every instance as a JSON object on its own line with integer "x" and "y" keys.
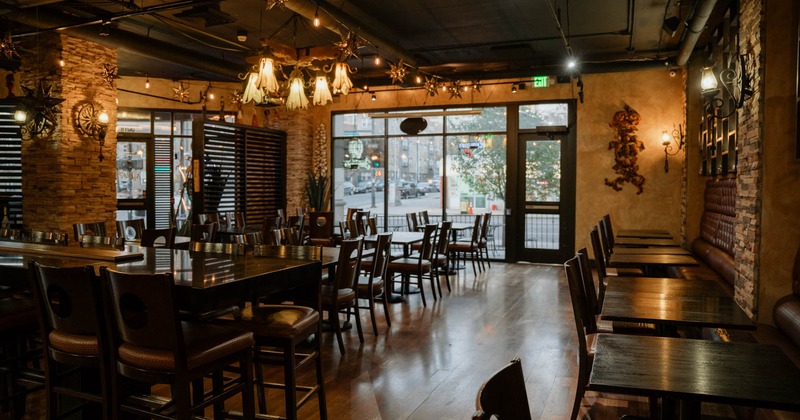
{"x": 341, "y": 81}
{"x": 297, "y": 95}
{"x": 708, "y": 81}
{"x": 251, "y": 91}
{"x": 665, "y": 138}
{"x": 266, "y": 79}
{"x": 102, "y": 117}
{"x": 322, "y": 93}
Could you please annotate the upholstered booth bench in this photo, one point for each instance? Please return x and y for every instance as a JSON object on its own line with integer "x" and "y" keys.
{"x": 714, "y": 247}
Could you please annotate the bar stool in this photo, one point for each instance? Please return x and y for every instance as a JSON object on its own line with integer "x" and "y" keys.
{"x": 73, "y": 333}
{"x": 149, "y": 343}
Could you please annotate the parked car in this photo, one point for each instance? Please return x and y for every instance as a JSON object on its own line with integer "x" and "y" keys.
{"x": 424, "y": 187}
{"x": 408, "y": 190}
{"x": 362, "y": 187}
{"x": 348, "y": 188}
{"x": 435, "y": 186}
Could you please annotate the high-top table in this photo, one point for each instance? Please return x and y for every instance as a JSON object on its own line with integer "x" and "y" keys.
{"x": 695, "y": 371}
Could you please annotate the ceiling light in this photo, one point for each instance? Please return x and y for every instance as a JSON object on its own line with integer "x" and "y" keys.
{"x": 266, "y": 75}
{"x": 20, "y": 116}
{"x": 419, "y": 79}
{"x": 374, "y": 97}
{"x": 241, "y": 35}
{"x": 297, "y": 95}
{"x": 572, "y": 63}
{"x": 513, "y": 88}
{"x": 316, "y": 17}
{"x": 341, "y": 81}
{"x": 322, "y": 93}
{"x": 146, "y": 81}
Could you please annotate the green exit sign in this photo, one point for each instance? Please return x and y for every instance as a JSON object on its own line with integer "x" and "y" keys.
{"x": 540, "y": 81}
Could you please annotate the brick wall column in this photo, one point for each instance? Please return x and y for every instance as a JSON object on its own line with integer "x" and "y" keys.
{"x": 749, "y": 165}
{"x": 64, "y": 182}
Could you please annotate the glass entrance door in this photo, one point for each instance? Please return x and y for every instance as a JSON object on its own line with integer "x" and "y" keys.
{"x": 547, "y": 193}
{"x": 134, "y": 177}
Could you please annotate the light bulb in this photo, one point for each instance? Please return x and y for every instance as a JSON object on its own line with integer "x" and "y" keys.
{"x": 665, "y": 137}
{"x": 419, "y": 79}
{"x": 20, "y": 116}
{"x": 374, "y": 98}
{"x": 514, "y": 89}
{"x": 377, "y": 60}
{"x": 61, "y": 62}
{"x": 572, "y": 63}
{"x": 147, "y": 83}
{"x": 316, "y": 18}
{"x": 708, "y": 81}
{"x": 102, "y": 117}
{"x": 211, "y": 95}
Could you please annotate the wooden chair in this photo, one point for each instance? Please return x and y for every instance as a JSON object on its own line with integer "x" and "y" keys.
{"x": 130, "y": 229}
{"x": 372, "y": 285}
{"x": 468, "y": 247}
{"x": 600, "y": 259}
{"x": 372, "y": 224}
{"x": 94, "y": 229}
{"x": 483, "y": 240}
{"x": 503, "y": 396}
{"x": 607, "y": 234}
{"x": 351, "y": 214}
{"x": 411, "y": 222}
{"x": 290, "y": 236}
{"x": 150, "y": 236}
{"x": 282, "y": 333}
{"x": 417, "y": 265}
{"x": 150, "y": 344}
{"x": 298, "y": 223}
{"x": 237, "y": 219}
{"x": 361, "y": 222}
{"x": 340, "y": 294}
{"x": 74, "y": 335}
{"x": 90, "y": 241}
{"x": 441, "y": 253}
{"x": 423, "y": 218}
{"x": 206, "y": 232}
{"x": 320, "y": 228}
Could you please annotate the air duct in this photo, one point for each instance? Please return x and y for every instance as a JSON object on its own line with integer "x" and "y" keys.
{"x": 694, "y": 29}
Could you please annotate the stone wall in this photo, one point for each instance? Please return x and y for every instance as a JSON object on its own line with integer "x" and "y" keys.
{"x": 749, "y": 164}
{"x": 299, "y": 150}
{"x": 64, "y": 182}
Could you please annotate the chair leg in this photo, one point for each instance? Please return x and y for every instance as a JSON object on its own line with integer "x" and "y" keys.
{"x": 488, "y": 261}
{"x": 259, "y": 380}
{"x": 290, "y": 379}
{"x": 371, "y": 300}
{"x": 385, "y": 301}
{"x": 434, "y": 277}
{"x": 333, "y": 318}
{"x": 183, "y": 401}
{"x": 421, "y": 289}
{"x": 216, "y": 386}
{"x": 472, "y": 259}
{"x": 357, "y": 315}
{"x": 248, "y": 405}
{"x": 321, "y": 400}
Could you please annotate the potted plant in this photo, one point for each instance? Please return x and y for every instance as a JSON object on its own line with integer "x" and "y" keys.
{"x": 317, "y": 189}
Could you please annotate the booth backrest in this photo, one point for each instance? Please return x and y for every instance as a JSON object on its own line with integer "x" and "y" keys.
{"x": 786, "y": 312}
{"x": 718, "y": 222}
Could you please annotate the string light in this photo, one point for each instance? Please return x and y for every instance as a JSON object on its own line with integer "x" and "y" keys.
{"x": 147, "y": 81}
{"x": 316, "y": 17}
{"x": 61, "y": 61}
{"x": 377, "y": 56}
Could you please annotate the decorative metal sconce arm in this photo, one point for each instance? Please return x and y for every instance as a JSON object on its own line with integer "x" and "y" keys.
{"x": 735, "y": 81}
{"x": 92, "y": 123}
{"x": 678, "y": 136}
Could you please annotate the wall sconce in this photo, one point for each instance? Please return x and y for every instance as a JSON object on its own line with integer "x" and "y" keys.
{"x": 677, "y": 135}
{"x": 736, "y": 82}
{"x": 92, "y": 123}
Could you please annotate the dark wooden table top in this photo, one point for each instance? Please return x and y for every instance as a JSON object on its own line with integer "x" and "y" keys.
{"x": 665, "y": 286}
{"x": 652, "y": 250}
{"x": 676, "y": 307}
{"x": 644, "y": 233}
{"x": 621, "y": 241}
{"x": 399, "y": 238}
{"x": 91, "y": 253}
{"x": 729, "y": 373}
{"x": 635, "y": 260}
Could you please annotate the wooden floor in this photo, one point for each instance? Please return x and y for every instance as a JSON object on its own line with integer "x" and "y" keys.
{"x": 431, "y": 362}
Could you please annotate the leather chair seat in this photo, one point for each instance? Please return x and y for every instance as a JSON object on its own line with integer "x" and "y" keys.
{"x": 462, "y": 247}
{"x": 81, "y": 344}
{"x": 408, "y": 264}
{"x": 344, "y": 295}
{"x": 204, "y": 344}
{"x": 273, "y": 321}
{"x": 363, "y": 286}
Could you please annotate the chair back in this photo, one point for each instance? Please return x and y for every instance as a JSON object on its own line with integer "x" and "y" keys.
{"x": 600, "y": 259}
{"x": 347, "y": 267}
{"x": 237, "y": 219}
{"x": 485, "y": 226}
{"x": 273, "y": 222}
{"x": 273, "y": 237}
{"x": 68, "y": 300}
{"x": 130, "y": 229}
{"x": 290, "y": 236}
{"x": 218, "y": 248}
{"x": 443, "y": 238}
{"x": 591, "y": 306}
{"x": 476, "y": 230}
{"x": 423, "y": 218}
{"x": 320, "y": 225}
{"x": 351, "y": 213}
{"x": 141, "y": 312}
{"x": 503, "y": 396}
{"x": 429, "y": 233}
{"x": 300, "y": 252}
{"x": 572, "y": 268}
{"x": 149, "y": 237}
{"x": 50, "y": 238}
{"x": 206, "y": 232}
{"x": 372, "y": 224}
{"x": 361, "y": 222}
{"x": 607, "y": 232}
{"x": 95, "y": 229}
{"x": 411, "y": 221}
{"x": 383, "y": 253}
{"x": 343, "y": 229}
{"x": 90, "y": 241}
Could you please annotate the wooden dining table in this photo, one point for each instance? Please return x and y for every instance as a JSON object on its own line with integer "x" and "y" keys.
{"x": 406, "y": 239}
{"x": 674, "y": 250}
{"x": 644, "y": 233}
{"x": 637, "y": 260}
{"x": 671, "y": 303}
{"x": 644, "y": 242}
{"x": 695, "y": 371}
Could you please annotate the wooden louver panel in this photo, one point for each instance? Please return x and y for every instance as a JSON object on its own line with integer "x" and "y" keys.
{"x": 10, "y": 164}
{"x": 243, "y": 169}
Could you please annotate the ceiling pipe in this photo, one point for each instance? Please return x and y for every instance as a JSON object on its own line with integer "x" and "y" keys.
{"x": 308, "y": 8}
{"x": 134, "y": 43}
{"x": 694, "y": 29}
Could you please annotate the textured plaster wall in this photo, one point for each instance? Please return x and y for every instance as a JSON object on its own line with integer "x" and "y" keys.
{"x": 656, "y": 95}
{"x": 780, "y": 229}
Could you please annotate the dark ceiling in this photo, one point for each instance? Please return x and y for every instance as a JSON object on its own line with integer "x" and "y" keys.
{"x": 453, "y": 39}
